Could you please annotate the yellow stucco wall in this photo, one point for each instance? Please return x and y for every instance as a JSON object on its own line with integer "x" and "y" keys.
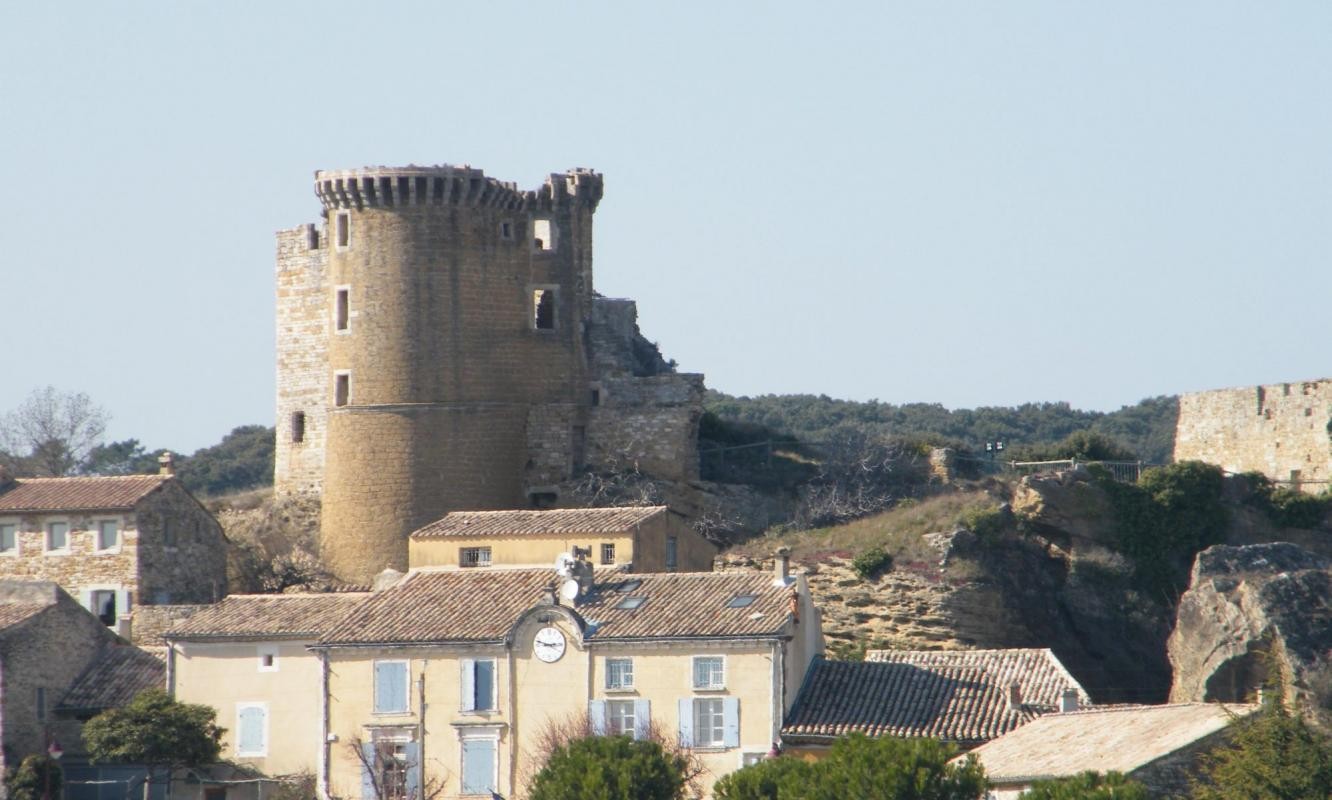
{"x": 226, "y": 675}
{"x": 532, "y": 694}
{"x": 644, "y": 546}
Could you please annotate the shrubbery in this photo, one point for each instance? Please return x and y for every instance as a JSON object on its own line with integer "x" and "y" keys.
{"x": 984, "y": 522}
{"x": 1287, "y": 507}
{"x": 872, "y": 562}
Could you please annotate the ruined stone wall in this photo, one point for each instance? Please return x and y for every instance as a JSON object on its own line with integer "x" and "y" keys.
{"x": 1283, "y": 430}
{"x": 551, "y": 434}
{"x": 304, "y": 319}
{"x": 647, "y": 424}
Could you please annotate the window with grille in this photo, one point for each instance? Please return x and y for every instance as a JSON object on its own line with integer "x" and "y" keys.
{"x": 608, "y": 554}
{"x": 474, "y": 557}
{"x": 709, "y": 672}
{"x": 709, "y": 722}
{"x": 619, "y": 673}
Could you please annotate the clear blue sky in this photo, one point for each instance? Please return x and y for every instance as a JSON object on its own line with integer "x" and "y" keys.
{"x": 965, "y": 203}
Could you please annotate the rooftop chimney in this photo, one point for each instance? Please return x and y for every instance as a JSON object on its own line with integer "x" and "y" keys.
{"x": 781, "y": 567}
{"x": 124, "y": 628}
{"x": 1068, "y": 701}
{"x": 1014, "y": 696}
{"x": 167, "y": 463}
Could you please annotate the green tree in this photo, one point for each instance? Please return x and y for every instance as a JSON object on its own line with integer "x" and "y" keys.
{"x": 1273, "y": 755}
{"x": 1087, "y": 786}
{"x": 120, "y": 458}
{"x": 764, "y": 780}
{"x": 610, "y": 768}
{"x": 38, "y": 777}
{"x": 242, "y": 460}
{"x": 156, "y": 731}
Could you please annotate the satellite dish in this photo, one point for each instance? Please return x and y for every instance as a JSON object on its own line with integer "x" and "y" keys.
{"x": 569, "y": 590}
{"x": 564, "y": 565}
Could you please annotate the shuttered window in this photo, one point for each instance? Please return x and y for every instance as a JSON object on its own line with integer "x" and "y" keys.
{"x": 478, "y": 766}
{"x": 390, "y": 687}
{"x": 251, "y": 730}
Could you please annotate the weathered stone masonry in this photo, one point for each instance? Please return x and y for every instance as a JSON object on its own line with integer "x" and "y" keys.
{"x": 440, "y": 348}
{"x": 1282, "y": 430}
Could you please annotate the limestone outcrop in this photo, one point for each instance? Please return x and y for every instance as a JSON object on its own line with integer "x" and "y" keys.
{"x": 1248, "y": 609}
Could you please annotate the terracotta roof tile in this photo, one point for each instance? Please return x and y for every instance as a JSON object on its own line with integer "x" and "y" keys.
{"x": 483, "y": 604}
{"x": 269, "y": 615}
{"x": 79, "y": 494}
{"x": 957, "y": 696}
{"x": 526, "y": 522}
{"x": 118, "y": 674}
{"x": 1123, "y": 739}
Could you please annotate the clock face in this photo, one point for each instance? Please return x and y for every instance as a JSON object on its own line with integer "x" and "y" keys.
{"x": 549, "y": 644}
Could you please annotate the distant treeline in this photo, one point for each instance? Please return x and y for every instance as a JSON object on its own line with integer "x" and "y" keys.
{"x": 1144, "y": 431}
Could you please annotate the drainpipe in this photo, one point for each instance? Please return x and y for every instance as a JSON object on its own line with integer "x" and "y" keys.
{"x": 420, "y": 727}
{"x": 322, "y": 787}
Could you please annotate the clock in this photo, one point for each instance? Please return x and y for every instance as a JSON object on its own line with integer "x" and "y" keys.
{"x": 549, "y": 644}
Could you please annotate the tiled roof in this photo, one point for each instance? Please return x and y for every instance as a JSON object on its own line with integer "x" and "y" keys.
{"x": 12, "y": 614}
{"x": 1123, "y": 739}
{"x": 528, "y": 522}
{"x": 483, "y": 605}
{"x": 269, "y": 615}
{"x": 118, "y": 674}
{"x": 79, "y": 494}
{"x": 959, "y": 696}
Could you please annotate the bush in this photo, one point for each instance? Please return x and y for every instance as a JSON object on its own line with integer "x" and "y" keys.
{"x": 242, "y": 460}
{"x": 610, "y": 768}
{"x": 872, "y": 562}
{"x": 984, "y": 522}
{"x": 1087, "y": 786}
{"x": 761, "y": 781}
{"x": 37, "y": 777}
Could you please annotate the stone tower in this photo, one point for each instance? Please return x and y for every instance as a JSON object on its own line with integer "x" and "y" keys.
{"x": 420, "y": 326}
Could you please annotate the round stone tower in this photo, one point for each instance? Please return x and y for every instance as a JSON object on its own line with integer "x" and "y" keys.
{"x": 456, "y": 304}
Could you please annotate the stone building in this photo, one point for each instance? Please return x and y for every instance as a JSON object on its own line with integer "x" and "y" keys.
{"x": 641, "y": 539}
{"x": 440, "y": 347}
{"x": 1283, "y": 431}
{"x": 112, "y": 542}
{"x": 47, "y": 641}
{"x": 443, "y": 682}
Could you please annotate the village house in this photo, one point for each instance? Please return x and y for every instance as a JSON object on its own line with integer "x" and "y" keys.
{"x": 966, "y": 697}
{"x": 1158, "y": 746}
{"x": 112, "y": 542}
{"x": 444, "y": 680}
{"x": 47, "y": 641}
{"x": 643, "y": 539}
{"x": 247, "y": 656}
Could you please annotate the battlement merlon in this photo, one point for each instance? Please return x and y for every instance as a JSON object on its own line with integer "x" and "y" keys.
{"x": 444, "y": 184}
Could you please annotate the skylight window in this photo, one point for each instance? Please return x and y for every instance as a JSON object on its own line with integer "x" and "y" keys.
{"x": 742, "y": 601}
{"x": 628, "y": 586}
{"x": 630, "y": 603}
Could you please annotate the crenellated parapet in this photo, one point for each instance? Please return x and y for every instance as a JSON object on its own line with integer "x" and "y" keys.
{"x": 443, "y": 185}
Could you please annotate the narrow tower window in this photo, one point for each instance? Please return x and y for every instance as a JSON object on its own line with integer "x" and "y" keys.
{"x": 343, "y": 232}
{"x": 298, "y": 426}
{"x": 506, "y": 230}
{"x": 341, "y": 307}
{"x": 341, "y": 388}
{"x": 543, "y": 235}
{"x": 543, "y": 309}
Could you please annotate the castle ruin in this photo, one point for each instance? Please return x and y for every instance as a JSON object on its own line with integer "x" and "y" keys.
{"x": 1283, "y": 431}
{"x": 440, "y": 347}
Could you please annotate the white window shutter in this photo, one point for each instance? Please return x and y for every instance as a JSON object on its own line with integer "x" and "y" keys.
{"x": 468, "y": 684}
{"x": 731, "y": 721}
{"x": 596, "y": 714}
{"x": 686, "y": 722}
{"x": 642, "y": 718}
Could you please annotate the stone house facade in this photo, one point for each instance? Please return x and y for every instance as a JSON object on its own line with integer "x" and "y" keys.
{"x": 47, "y": 641}
{"x": 112, "y": 542}
{"x": 442, "y": 682}
{"x": 640, "y": 539}
{"x": 440, "y": 347}
{"x": 1282, "y": 430}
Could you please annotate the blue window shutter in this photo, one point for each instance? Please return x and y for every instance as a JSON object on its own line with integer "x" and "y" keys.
{"x": 596, "y": 715}
{"x": 399, "y": 684}
{"x": 642, "y": 718}
{"x": 687, "y": 722}
{"x": 468, "y": 684}
{"x": 390, "y": 687}
{"x": 411, "y": 752}
{"x": 367, "y": 772}
{"x": 731, "y": 721}
{"x": 484, "y": 680}
{"x": 478, "y": 756}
